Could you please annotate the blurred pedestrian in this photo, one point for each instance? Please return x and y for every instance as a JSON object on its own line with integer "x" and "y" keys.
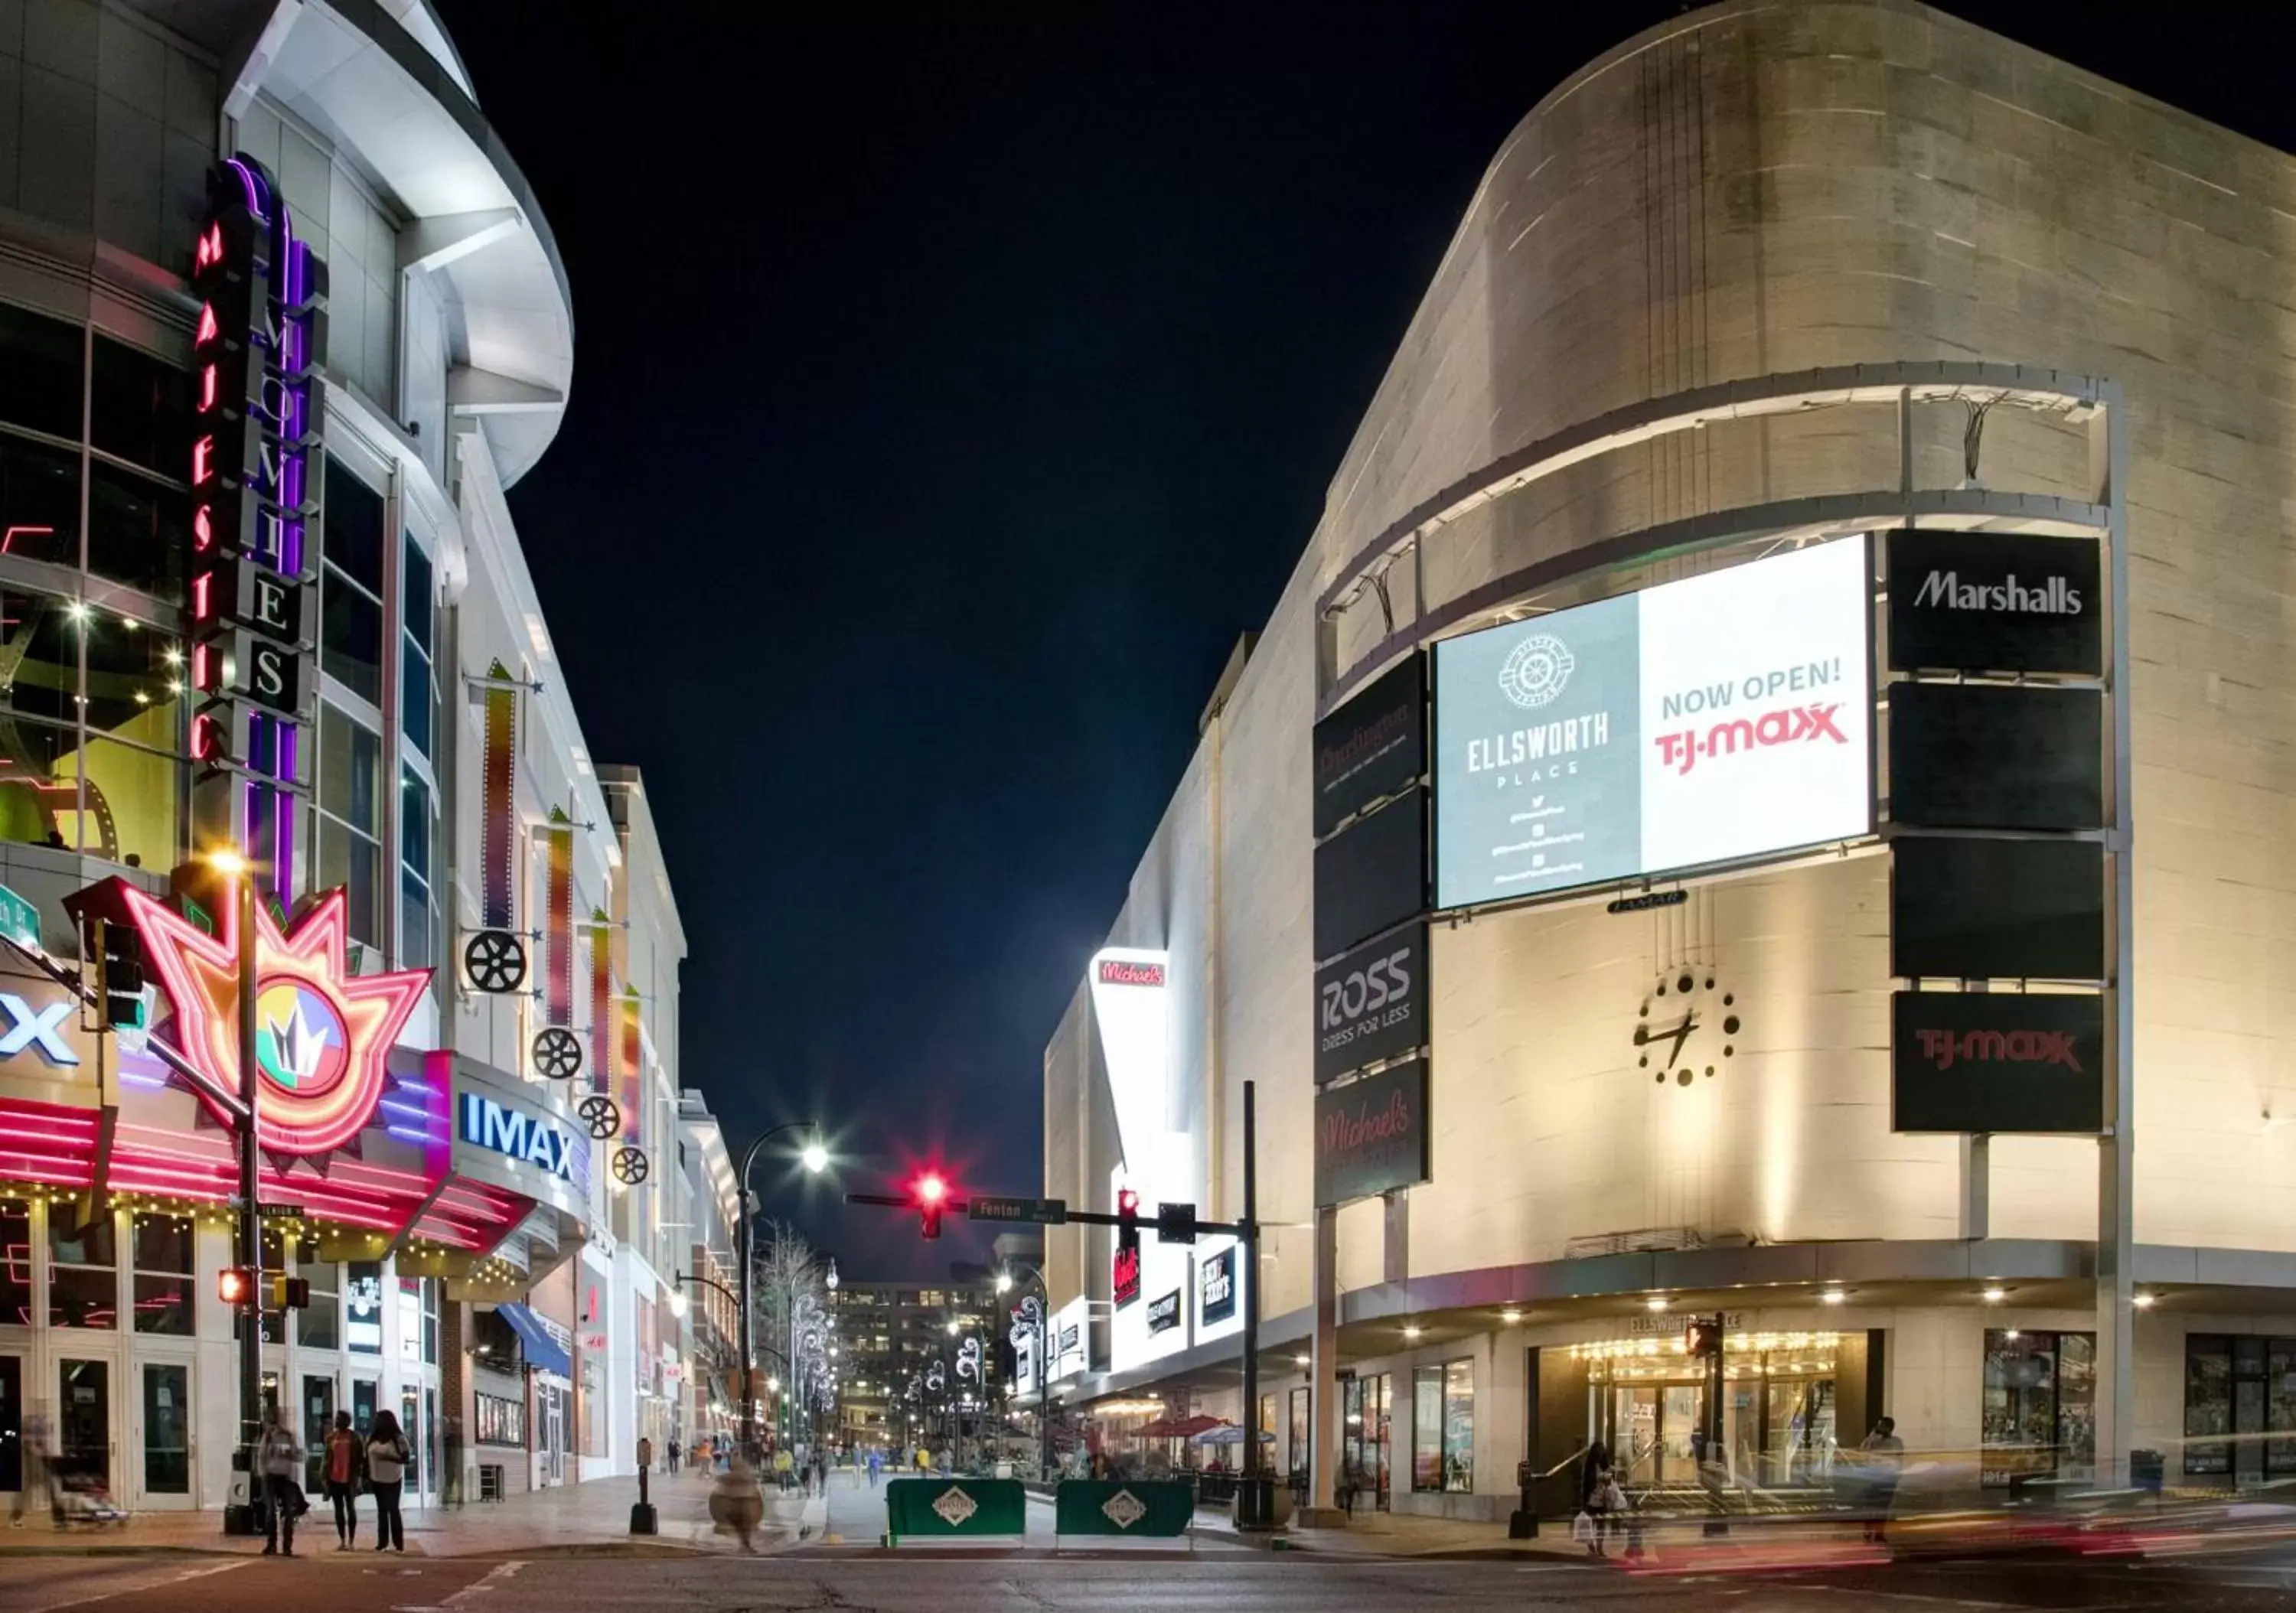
{"x": 1599, "y": 1495}
{"x": 876, "y": 1465}
{"x": 388, "y": 1455}
{"x": 278, "y": 1458}
{"x": 346, "y": 1466}
{"x": 1884, "y": 1456}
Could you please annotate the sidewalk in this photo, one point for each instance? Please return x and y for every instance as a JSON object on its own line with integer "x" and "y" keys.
{"x": 593, "y": 1516}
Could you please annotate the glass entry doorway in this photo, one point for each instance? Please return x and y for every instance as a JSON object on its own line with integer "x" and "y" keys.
{"x": 1364, "y": 1409}
{"x": 164, "y": 1436}
{"x": 12, "y": 1422}
{"x": 84, "y": 1420}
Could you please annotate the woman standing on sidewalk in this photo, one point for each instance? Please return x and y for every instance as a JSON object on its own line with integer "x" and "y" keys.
{"x": 387, "y": 1457}
{"x": 346, "y": 1459}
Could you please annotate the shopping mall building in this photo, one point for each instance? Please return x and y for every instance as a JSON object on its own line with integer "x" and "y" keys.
{"x": 1762, "y": 798}
{"x": 280, "y": 323}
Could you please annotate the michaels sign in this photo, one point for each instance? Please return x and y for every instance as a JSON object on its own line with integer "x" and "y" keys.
{"x": 488, "y": 1124}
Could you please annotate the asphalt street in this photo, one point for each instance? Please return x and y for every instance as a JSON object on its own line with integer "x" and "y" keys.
{"x": 1254, "y": 1583}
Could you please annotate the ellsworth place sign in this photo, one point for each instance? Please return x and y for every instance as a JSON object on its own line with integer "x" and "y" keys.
{"x": 1371, "y": 1135}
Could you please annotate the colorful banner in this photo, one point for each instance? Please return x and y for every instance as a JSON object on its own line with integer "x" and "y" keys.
{"x": 498, "y": 804}
{"x": 558, "y": 929}
{"x": 632, "y": 1065}
{"x": 602, "y": 1002}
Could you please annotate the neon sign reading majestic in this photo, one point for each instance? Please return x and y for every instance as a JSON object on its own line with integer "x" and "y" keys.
{"x": 261, "y": 333}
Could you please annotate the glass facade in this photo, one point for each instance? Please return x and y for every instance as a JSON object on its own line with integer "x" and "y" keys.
{"x": 2040, "y": 1403}
{"x": 92, "y": 715}
{"x": 1443, "y": 1428}
{"x": 2240, "y": 1407}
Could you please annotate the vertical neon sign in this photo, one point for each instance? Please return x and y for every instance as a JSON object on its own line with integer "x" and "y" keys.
{"x": 498, "y": 805}
{"x": 256, "y": 355}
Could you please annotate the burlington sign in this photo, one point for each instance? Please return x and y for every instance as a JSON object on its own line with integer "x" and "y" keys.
{"x": 1371, "y": 1136}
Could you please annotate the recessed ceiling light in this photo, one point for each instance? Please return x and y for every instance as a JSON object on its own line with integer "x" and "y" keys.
{"x": 1832, "y": 1296}
{"x": 1656, "y": 1302}
{"x": 1994, "y": 1295}
{"x": 1411, "y": 1330}
{"x": 1510, "y": 1315}
{"x": 1298, "y": 1361}
{"x": 2144, "y": 1302}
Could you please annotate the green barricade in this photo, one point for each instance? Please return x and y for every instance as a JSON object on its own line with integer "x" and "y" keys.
{"x": 943, "y": 1507}
{"x": 1135, "y": 1507}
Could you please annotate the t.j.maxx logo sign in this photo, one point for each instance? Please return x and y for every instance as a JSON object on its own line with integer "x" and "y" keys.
{"x": 24, "y": 1028}
{"x": 490, "y": 1125}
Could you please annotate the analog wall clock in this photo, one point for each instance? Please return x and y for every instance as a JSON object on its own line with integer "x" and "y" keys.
{"x": 1688, "y": 1027}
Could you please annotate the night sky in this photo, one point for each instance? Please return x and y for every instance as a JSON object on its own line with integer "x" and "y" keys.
{"x": 953, "y": 385}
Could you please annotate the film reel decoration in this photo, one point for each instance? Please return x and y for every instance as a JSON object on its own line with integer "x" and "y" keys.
{"x": 558, "y": 1053}
{"x": 602, "y": 1115}
{"x": 630, "y": 1166}
{"x": 494, "y": 960}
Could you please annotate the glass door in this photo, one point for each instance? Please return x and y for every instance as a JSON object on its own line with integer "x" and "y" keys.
{"x": 12, "y": 1422}
{"x": 410, "y": 1428}
{"x": 84, "y": 1420}
{"x": 363, "y": 1404}
{"x": 318, "y": 1422}
{"x": 165, "y": 1439}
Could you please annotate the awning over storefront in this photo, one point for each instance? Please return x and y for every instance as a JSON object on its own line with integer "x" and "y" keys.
{"x": 543, "y": 1353}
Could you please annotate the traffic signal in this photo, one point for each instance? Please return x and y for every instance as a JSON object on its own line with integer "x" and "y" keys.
{"x": 1128, "y": 1220}
{"x": 289, "y": 1293}
{"x": 1175, "y": 1223}
{"x": 1702, "y": 1338}
{"x": 235, "y": 1287}
{"x": 932, "y": 1193}
{"x": 119, "y": 955}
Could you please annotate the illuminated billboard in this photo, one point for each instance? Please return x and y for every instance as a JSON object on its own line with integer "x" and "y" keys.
{"x": 1719, "y": 717}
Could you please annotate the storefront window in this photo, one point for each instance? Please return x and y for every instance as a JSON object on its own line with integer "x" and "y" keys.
{"x": 318, "y": 1325}
{"x": 2039, "y": 1413}
{"x": 2240, "y": 1407}
{"x": 415, "y": 949}
{"x": 138, "y": 529}
{"x": 15, "y": 1263}
{"x": 1302, "y": 1440}
{"x": 162, "y": 1245}
{"x": 500, "y": 1421}
{"x": 83, "y": 1269}
{"x": 140, "y": 409}
{"x": 1443, "y": 1428}
{"x": 39, "y": 500}
{"x": 1427, "y": 1427}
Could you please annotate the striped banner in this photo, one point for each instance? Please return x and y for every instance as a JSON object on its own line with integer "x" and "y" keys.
{"x": 633, "y": 1061}
{"x": 558, "y": 932}
{"x": 602, "y": 1002}
{"x": 498, "y": 804}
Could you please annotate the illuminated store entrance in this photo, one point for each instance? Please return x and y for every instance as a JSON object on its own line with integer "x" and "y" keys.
{"x": 1646, "y": 1399}
{"x": 1364, "y": 1406}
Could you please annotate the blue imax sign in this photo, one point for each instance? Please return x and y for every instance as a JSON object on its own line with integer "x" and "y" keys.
{"x": 490, "y": 1125}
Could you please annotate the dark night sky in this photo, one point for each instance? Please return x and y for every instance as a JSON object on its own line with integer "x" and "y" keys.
{"x": 953, "y": 384}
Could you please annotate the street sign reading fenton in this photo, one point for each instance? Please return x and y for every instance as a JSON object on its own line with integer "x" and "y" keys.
{"x": 1041, "y": 1212}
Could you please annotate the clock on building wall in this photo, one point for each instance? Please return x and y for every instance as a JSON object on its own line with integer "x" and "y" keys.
{"x": 1688, "y": 1027}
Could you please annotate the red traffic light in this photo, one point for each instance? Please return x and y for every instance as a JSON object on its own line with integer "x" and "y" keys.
{"x": 236, "y": 1286}
{"x": 1127, "y": 1201}
{"x": 932, "y": 1190}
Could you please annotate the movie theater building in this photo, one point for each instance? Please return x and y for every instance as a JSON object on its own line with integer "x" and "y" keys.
{"x": 1763, "y": 800}
{"x": 279, "y": 325}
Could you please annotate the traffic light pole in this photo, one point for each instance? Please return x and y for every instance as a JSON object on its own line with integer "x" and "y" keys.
{"x": 1259, "y": 1511}
{"x": 251, "y": 1212}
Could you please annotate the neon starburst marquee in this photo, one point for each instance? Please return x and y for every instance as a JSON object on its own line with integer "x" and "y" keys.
{"x": 321, "y": 1035}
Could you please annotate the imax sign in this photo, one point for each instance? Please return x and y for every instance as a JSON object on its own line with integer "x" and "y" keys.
{"x": 490, "y": 1125}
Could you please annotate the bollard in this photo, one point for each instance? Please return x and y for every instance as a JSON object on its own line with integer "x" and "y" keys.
{"x": 642, "y": 1519}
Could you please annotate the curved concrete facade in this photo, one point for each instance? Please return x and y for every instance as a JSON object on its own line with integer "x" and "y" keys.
{"x": 1752, "y": 191}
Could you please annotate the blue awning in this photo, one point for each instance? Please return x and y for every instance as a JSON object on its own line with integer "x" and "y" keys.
{"x": 543, "y": 1353}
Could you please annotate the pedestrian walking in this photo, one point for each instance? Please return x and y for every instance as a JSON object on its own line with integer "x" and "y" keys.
{"x": 36, "y": 1483}
{"x": 387, "y": 1457}
{"x": 346, "y": 1464}
{"x": 876, "y": 1465}
{"x": 277, "y": 1460}
{"x": 1599, "y": 1496}
{"x": 1884, "y": 1454}
{"x": 672, "y": 1468}
{"x": 736, "y": 1503}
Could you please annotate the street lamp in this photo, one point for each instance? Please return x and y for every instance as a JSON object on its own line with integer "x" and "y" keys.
{"x": 230, "y": 865}
{"x": 814, "y": 1156}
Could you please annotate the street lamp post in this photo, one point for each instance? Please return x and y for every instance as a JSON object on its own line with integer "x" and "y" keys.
{"x": 233, "y": 866}
{"x": 1044, "y": 1366}
{"x": 816, "y": 1158}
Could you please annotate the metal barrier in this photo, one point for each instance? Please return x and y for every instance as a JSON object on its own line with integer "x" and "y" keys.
{"x": 942, "y": 1509}
{"x": 1134, "y": 1509}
